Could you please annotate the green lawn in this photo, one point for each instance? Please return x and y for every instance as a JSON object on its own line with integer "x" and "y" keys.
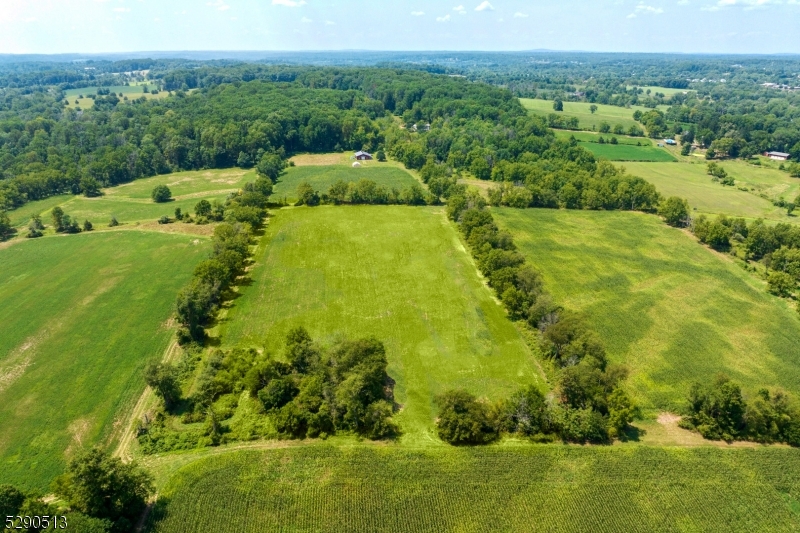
{"x": 537, "y": 488}
{"x": 398, "y": 273}
{"x": 613, "y": 115}
{"x": 670, "y": 309}
{"x": 80, "y": 316}
{"x": 690, "y": 180}
{"x": 131, "y": 91}
{"x": 322, "y": 177}
{"x": 131, "y": 202}
{"x": 626, "y": 152}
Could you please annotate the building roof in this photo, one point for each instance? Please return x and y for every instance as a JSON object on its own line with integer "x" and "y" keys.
{"x": 778, "y": 154}
{"x": 362, "y": 153}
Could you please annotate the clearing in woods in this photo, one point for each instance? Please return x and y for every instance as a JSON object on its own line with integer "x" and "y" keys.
{"x": 627, "y": 148}
{"x": 534, "y": 488}
{"x": 691, "y": 181}
{"x": 398, "y": 273}
{"x": 670, "y": 309}
{"x": 80, "y": 317}
{"x": 322, "y": 176}
{"x": 587, "y": 120}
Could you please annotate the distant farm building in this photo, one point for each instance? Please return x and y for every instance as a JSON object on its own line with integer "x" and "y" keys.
{"x": 778, "y": 156}
{"x": 363, "y": 156}
{"x": 670, "y": 142}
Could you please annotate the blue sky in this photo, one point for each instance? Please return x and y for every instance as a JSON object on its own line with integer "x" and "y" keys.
{"x": 691, "y": 26}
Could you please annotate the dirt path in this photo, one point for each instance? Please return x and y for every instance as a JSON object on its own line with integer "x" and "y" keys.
{"x": 145, "y": 402}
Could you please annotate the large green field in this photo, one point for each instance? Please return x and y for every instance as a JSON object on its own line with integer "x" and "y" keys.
{"x": 396, "y": 272}
{"x": 627, "y": 152}
{"x": 131, "y": 202}
{"x": 613, "y": 115}
{"x": 592, "y": 137}
{"x": 322, "y": 177}
{"x": 690, "y": 181}
{"x": 80, "y": 317}
{"x": 536, "y": 488}
{"x": 672, "y": 310}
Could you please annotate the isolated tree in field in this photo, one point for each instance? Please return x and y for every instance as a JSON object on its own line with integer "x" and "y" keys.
{"x": 592, "y": 109}
{"x": 101, "y": 486}
{"x": 306, "y": 195}
{"x": 114, "y": 222}
{"x": 163, "y": 379}
{"x": 686, "y": 149}
{"x": 605, "y": 127}
{"x": 381, "y": 155}
{"x": 463, "y": 419}
{"x": 203, "y": 208}
{"x": 675, "y": 211}
{"x": 558, "y": 105}
{"x": 87, "y": 226}
{"x": 161, "y": 194}
{"x": 58, "y": 218}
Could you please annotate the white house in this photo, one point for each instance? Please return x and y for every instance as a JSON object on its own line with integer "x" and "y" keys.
{"x": 363, "y": 156}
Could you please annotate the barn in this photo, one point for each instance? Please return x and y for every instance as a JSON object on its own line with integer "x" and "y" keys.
{"x": 363, "y": 156}
{"x": 778, "y": 156}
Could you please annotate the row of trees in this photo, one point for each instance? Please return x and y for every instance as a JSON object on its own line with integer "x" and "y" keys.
{"x": 589, "y": 403}
{"x": 718, "y": 411}
{"x": 363, "y": 191}
{"x": 312, "y": 392}
{"x": 97, "y": 494}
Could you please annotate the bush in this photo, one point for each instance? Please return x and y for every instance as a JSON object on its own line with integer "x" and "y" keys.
{"x": 781, "y": 284}
{"x": 164, "y": 220}
{"x": 463, "y": 419}
{"x": 87, "y": 226}
{"x": 277, "y": 393}
{"x": 675, "y": 211}
{"x": 161, "y": 194}
{"x": 113, "y": 222}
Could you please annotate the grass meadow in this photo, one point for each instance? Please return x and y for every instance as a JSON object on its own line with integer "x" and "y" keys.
{"x": 690, "y": 181}
{"x": 321, "y": 177}
{"x": 587, "y": 120}
{"x": 627, "y": 152}
{"x": 670, "y": 309}
{"x": 80, "y": 317}
{"x": 592, "y": 137}
{"x": 131, "y": 91}
{"x": 396, "y": 272}
{"x": 537, "y": 488}
{"x": 131, "y": 202}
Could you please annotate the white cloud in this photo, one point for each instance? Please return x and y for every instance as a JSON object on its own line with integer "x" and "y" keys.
{"x": 460, "y": 10}
{"x": 746, "y": 4}
{"x": 417, "y": 13}
{"x": 485, "y": 6}
{"x": 289, "y": 3}
{"x": 219, "y": 4}
{"x": 330, "y": 23}
{"x": 643, "y": 8}
{"x": 306, "y": 20}
{"x": 632, "y": 16}
{"x": 445, "y": 18}
{"x": 520, "y": 15}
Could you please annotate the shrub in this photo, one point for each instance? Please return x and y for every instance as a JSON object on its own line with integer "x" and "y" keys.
{"x": 161, "y": 194}
{"x": 463, "y": 419}
{"x": 113, "y": 222}
{"x": 675, "y": 211}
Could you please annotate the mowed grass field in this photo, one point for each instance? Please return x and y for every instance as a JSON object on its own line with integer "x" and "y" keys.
{"x": 672, "y": 310}
{"x": 592, "y": 137}
{"x": 131, "y": 202}
{"x": 690, "y": 181}
{"x": 80, "y": 317}
{"x": 398, "y": 273}
{"x": 131, "y": 91}
{"x": 321, "y": 177}
{"x": 613, "y": 115}
{"x": 627, "y": 152}
{"x": 537, "y": 488}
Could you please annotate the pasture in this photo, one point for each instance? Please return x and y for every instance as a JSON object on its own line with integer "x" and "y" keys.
{"x": 321, "y": 177}
{"x": 535, "y": 488}
{"x": 628, "y": 152}
{"x": 394, "y": 272}
{"x": 131, "y": 202}
{"x": 690, "y": 181}
{"x": 670, "y": 309}
{"x": 132, "y": 92}
{"x": 613, "y": 115}
{"x": 80, "y": 317}
{"x": 592, "y": 137}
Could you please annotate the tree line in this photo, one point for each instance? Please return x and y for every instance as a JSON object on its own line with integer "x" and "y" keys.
{"x": 589, "y": 403}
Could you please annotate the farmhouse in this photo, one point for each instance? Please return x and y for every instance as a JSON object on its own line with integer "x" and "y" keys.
{"x": 363, "y": 156}
{"x": 778, "y": 156}
{"x": 670, "y": 141}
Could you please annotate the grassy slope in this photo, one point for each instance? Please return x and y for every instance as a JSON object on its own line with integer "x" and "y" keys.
{"x": 670, "y": 309}
{"x": 592, "y": 137}
{"x": 690, "y": 181}
{"x": 538, "y": 488}
{"x": 80, "y": 316}
{"x": 322, "y": 177}
{"x": 605, "y": 113}
{"x": 131, "y": 202}
{"x": 395, "y": 272}
{"x": 626, "y": 152}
